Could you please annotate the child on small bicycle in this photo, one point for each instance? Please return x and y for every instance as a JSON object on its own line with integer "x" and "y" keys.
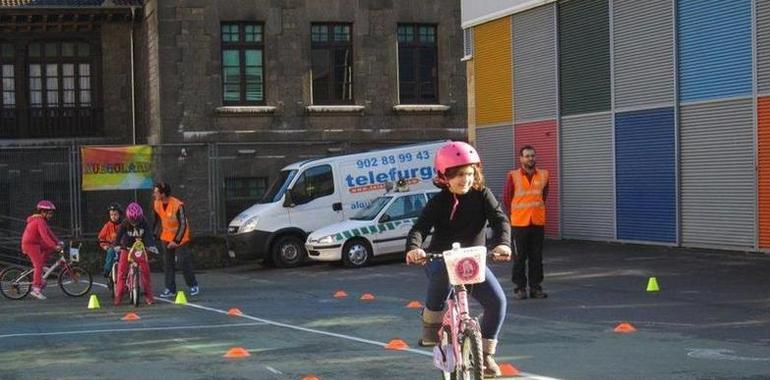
{"x": 38, "y": 242}
{"x": 109, "y": 233}
{"x": 132, "y": 228}
{"x": 460, "y": 213}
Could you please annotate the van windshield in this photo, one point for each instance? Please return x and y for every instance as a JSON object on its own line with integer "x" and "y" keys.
{"x": 278, "y": 187}
{"x": 374, "y": 208}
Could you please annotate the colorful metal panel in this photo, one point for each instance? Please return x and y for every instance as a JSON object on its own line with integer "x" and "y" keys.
{"x": 534, "y": 71}
{"x": 643, "y": 52}
{"x": 584, "y": 56}
{"x": 495, "y": 145}
{"x": 645, "y": 175}
{"x": 718, "y": 196}
{"x": 764, "y": 171}
{"x": 763, "y": 47}
{"x": 494, "y": 81}
{"x": 715, "y": 53}
{"x": 542, "y": 136}
{"x": 587, "y": 196}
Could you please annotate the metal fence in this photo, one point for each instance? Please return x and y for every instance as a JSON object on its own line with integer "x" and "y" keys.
{"x": 216, "y": 181}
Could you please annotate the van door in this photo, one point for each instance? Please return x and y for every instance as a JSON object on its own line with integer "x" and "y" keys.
{"x": 314, "y": 199}
{"x": 396, "y": 222}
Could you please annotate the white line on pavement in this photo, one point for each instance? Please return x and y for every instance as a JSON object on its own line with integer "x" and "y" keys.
{"x": 320, "y": 332}
{"x": 82, "y": 332}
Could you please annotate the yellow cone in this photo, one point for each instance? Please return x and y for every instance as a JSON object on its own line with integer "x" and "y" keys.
{"x": 652, "y": 285}
{"x": 181, "y": 299}
{"x": 93, "y": 302}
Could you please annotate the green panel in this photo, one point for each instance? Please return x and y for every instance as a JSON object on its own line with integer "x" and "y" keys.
{"x": 584, "y": 56}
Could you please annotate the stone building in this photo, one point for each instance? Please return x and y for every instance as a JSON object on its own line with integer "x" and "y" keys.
{"x": 227, "y": 92}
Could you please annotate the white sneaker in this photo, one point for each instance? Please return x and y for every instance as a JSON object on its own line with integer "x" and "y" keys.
{"x": 37, "y": 294}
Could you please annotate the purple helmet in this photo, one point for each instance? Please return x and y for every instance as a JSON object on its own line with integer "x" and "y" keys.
{"x": 45, "y": 205}
{"x": 134, "y": 212}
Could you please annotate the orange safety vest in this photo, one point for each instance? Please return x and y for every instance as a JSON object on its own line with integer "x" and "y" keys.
{"x": 169, "y": 223}
{"x": 527, "y": 206}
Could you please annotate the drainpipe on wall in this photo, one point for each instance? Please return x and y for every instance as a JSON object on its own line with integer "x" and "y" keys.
{"x": 133, "y": 98}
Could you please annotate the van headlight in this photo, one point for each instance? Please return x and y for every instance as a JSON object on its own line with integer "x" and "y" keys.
{"x": 250, "y": 225}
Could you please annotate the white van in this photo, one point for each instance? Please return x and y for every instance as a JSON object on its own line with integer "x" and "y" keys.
{"x": 312, "y": 194}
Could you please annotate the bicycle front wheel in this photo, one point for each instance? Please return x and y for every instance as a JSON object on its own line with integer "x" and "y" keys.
{"x": 75, "y": 281}
{"x": 14, "y": 284}
{"x": 471, "y": 367}
{"x": 135, "y": 287}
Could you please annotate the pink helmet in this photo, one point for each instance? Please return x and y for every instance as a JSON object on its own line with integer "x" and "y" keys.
{"x": 453, "y": 154}
{"x": 45, "y": 205}
{"x": 134, "y": 212}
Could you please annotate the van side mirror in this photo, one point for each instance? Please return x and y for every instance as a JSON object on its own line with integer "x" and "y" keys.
{"x": 385, "y": 218}
{"x": 288, "y": 199}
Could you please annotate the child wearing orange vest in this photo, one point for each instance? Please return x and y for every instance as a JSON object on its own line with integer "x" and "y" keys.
{"x": 108, "y": 234}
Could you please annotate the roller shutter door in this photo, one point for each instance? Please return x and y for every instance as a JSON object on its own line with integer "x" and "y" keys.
{"x": 542, "y": 136}
{"x": 495, "y": 145}
{"x": 494, "y": 79}
{"x": 534, "y": 57}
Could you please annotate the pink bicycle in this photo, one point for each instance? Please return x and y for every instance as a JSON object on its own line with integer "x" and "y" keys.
{"x": 458, "y": 353}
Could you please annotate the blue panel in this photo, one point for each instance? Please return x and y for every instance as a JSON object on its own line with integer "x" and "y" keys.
{"x": 645, "y": 178}
{"x": 714, "y": 48}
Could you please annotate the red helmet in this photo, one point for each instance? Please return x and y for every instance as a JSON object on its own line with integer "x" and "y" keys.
{"x": 45, "y": 205}
{"x": 454, "y": 154}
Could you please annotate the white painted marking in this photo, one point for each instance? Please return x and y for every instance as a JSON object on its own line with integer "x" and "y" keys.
{"x": 101, "y": 331}
{"x": 721, "y": 354}
{"x": 273, "y": 370}
{"x": 335, "y": 335}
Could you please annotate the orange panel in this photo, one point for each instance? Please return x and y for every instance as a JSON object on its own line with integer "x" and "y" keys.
{"x": 764, "y": 171}
{"x": 492, "y": 60}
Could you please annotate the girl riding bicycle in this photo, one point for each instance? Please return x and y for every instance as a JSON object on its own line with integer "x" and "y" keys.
{"x": 134, "y": 227}
{"x": 38, "y": 241}
{"x": 460, "y": 213}
{"x": 108, "y": 233}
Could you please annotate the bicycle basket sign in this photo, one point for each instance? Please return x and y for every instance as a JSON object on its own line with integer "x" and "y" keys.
{"x": 466, "y": 266}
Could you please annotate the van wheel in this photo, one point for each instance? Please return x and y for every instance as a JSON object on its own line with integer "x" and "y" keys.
{"x": 356, "y": 253}
{"x": 289, "y": 251}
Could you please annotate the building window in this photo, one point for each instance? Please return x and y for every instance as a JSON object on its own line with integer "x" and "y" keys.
{"x": 60, "y": 88}
{"x": 417, "y": 64}
{"x": 467, "y": 44}
{"x": 8, "y": 83}
{"x": 332, "y": 63}
{"x": 243, "y": 46}
{"x": 241, "y": 193}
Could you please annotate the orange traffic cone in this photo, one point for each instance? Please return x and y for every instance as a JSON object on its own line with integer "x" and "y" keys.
{"x": 625, "y": 327}
{"x": 507, "y": 369}
{"x": 237, "y": 352}
{"x": 234, "y": 312}
{"x": 340, "y": 294}
{"x": 396, "y": 344}
{"x": 367, "y": 297}
{"x": 414, "y": 305}
{"x": 130, "y": 317}
{"x": 310, "y": 377}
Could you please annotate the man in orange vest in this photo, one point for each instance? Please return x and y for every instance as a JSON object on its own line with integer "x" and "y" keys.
{"x": 172, "y": 228}
{"x": 524, "y": 198}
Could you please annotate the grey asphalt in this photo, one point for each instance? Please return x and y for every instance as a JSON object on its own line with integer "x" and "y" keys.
{"x": 711, "y": 320}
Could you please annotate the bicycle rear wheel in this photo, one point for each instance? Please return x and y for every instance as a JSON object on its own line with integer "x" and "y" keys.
{"x": 75, "y": 281}
{"x": 134, "y": 290}
{"x": 471, "y": 356}
{"x": 13, "y": 285}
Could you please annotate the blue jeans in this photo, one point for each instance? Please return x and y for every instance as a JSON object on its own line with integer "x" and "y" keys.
{"x": 109, "y": 258}
{"x": 488, "y": 293}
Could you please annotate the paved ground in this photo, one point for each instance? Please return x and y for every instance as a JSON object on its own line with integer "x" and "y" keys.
{"x": 711, "y": 320}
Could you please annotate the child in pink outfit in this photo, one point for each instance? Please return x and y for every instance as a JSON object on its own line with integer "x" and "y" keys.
{"x": 38, "y": 241}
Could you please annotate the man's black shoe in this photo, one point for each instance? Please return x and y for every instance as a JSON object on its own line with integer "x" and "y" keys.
{"x": 520, "y": 294}
{"x": 538, "y": 293}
